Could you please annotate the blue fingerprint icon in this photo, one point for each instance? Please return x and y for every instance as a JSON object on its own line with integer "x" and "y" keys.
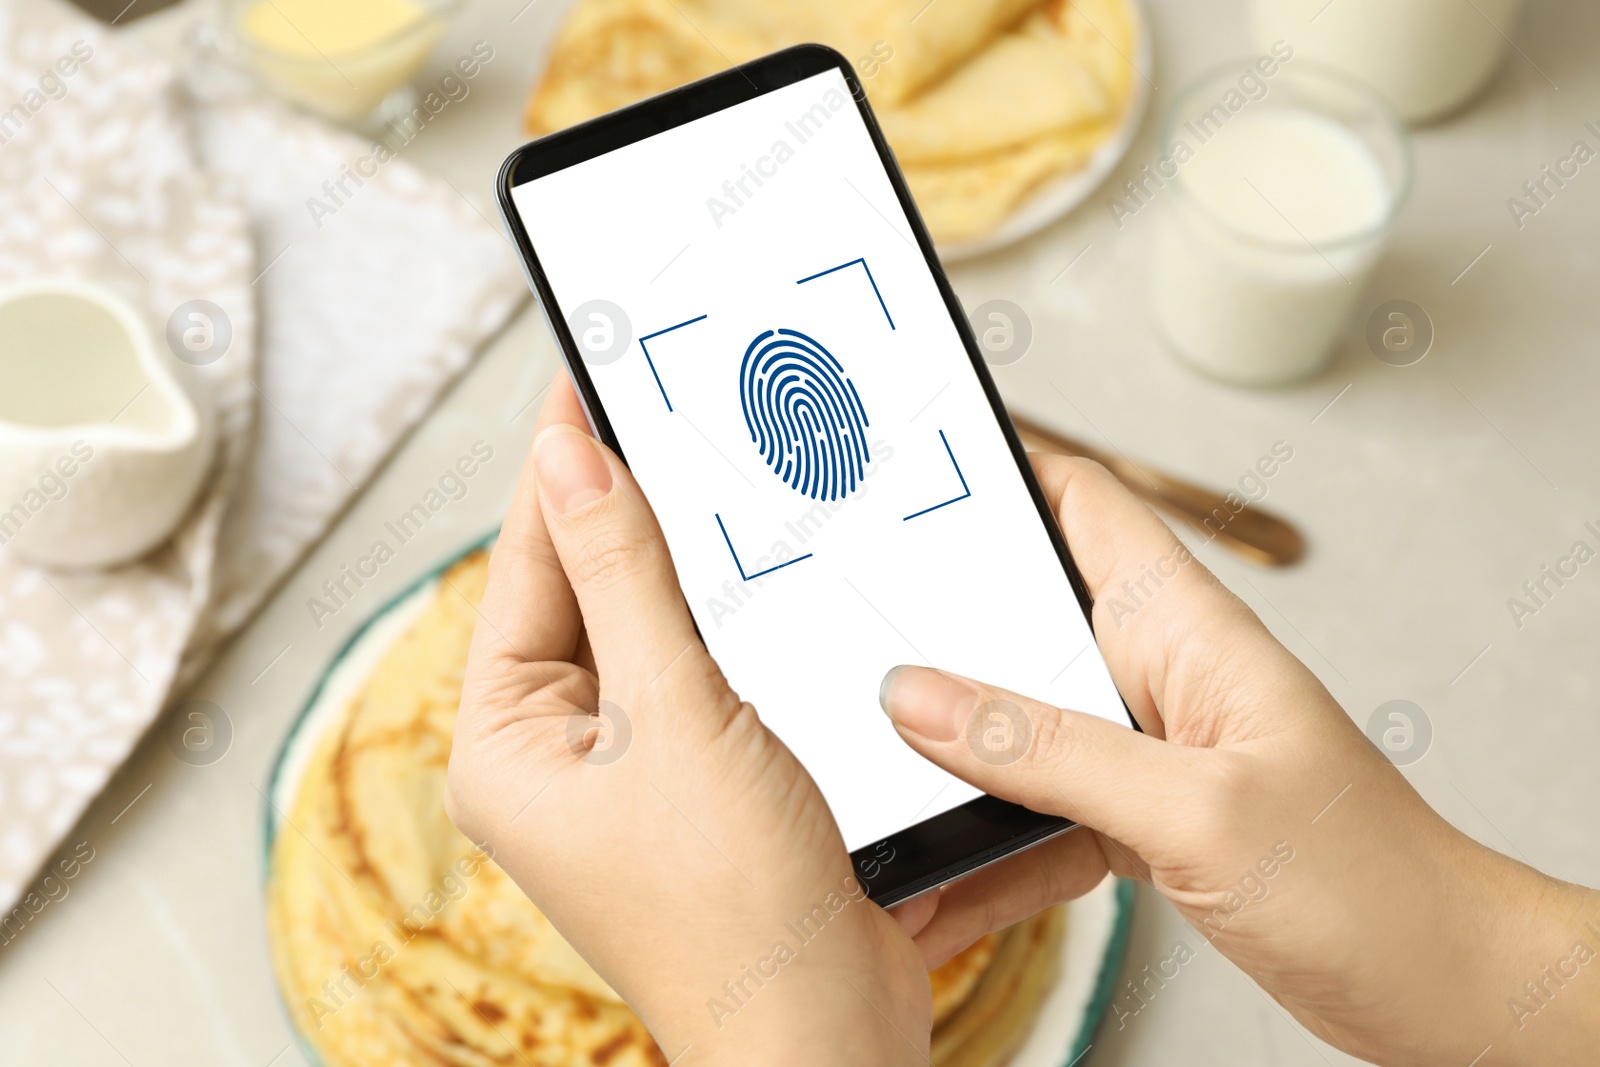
{"x": 804, "y": 414}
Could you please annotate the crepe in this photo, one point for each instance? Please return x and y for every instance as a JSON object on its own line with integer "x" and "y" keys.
{"x": 611, "y": 53}
{"x": 995, "y": 1019}
{"x": 965, "y": 199}
{"x": 928, "y": 38}
{"x": 981, "y": 100}
{"x": 954, "y": 982}
{"x": 1024, "y": 86}
{"x": 398, "y": 943}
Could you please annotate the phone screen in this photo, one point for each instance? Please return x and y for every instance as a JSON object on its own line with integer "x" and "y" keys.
{"x": 777, "y": 362}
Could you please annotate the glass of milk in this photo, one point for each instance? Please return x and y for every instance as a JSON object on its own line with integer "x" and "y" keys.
{"x": 1427, "y": 57}
{"x": 1283, "y": 190}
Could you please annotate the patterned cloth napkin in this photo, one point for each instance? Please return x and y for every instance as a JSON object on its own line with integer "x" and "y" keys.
{"x": 345, "y": 329}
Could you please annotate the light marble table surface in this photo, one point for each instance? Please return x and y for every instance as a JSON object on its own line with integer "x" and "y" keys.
{"x": 1429, "y": 494}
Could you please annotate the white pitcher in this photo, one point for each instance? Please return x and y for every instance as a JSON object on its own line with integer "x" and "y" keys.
{"x": 104, "y": 437}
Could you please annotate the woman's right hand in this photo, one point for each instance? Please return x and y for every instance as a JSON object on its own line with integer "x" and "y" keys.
{"x": 1254, "y": 804}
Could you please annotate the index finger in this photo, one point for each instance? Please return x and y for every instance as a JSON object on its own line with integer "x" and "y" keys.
{"x": 1124, "y": 552}
{"x": 1149, "y": 591}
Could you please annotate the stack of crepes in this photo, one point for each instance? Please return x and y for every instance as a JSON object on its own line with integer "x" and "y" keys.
{"x": 981, "y": 100}
{"x": 399, "y": 944}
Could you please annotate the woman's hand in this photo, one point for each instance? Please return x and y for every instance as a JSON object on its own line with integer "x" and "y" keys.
{"x": 1257, "y": 808}
{"x": 672, "y": 839}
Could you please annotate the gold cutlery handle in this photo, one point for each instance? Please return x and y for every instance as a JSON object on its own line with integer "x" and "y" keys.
{"x": 1257, "y": 535}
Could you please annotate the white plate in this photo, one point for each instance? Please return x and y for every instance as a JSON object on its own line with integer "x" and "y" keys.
{"x": 1058, "y": 196}
{"x": 1097, "y": 924}
{"x": 1091, "y": 956}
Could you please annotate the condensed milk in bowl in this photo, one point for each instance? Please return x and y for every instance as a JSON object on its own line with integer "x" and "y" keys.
{"x": 1283, "y": 195}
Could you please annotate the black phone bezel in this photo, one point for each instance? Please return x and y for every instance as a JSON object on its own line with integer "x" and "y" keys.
{"x": 938, "y": 850}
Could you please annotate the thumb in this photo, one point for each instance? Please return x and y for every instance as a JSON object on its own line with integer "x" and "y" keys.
{"x": 614, "y": 554}
{"x": 1100, "y": 773}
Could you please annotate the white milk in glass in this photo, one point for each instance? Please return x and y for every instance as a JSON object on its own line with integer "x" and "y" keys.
{"x": 1278, "y": 217}
{"x": 1426, "y": 57}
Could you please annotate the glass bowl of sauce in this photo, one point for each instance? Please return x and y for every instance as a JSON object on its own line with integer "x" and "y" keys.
{"x": 348, "y": 61}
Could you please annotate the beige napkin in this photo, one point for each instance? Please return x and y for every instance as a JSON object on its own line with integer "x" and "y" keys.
{"x": 344, "y": 334}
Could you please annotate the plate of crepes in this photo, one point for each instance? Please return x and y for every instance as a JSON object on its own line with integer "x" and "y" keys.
{"x": 1003, "y": 114}
{"x": 397, "y": 942}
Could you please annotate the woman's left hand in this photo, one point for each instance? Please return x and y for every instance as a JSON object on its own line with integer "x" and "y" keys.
{"x": 673, "y": 839}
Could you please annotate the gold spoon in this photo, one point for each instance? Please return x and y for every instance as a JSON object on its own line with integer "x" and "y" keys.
{"x": 1258, "y": 536}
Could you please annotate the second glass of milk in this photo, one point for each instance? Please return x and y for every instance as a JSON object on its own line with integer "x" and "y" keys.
{"x": 1427, "y": 57}
{"x": 1284, "y": 193}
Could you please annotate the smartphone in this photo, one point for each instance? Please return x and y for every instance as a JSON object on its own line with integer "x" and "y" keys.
{"x": 757, "y": 322}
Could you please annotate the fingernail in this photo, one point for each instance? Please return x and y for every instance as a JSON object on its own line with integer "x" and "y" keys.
{"x": 572, "y": 470}
{"x": 928, "y": 702}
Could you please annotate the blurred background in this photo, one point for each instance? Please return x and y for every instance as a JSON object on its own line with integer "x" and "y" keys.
{"x": 268, "y": 365}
